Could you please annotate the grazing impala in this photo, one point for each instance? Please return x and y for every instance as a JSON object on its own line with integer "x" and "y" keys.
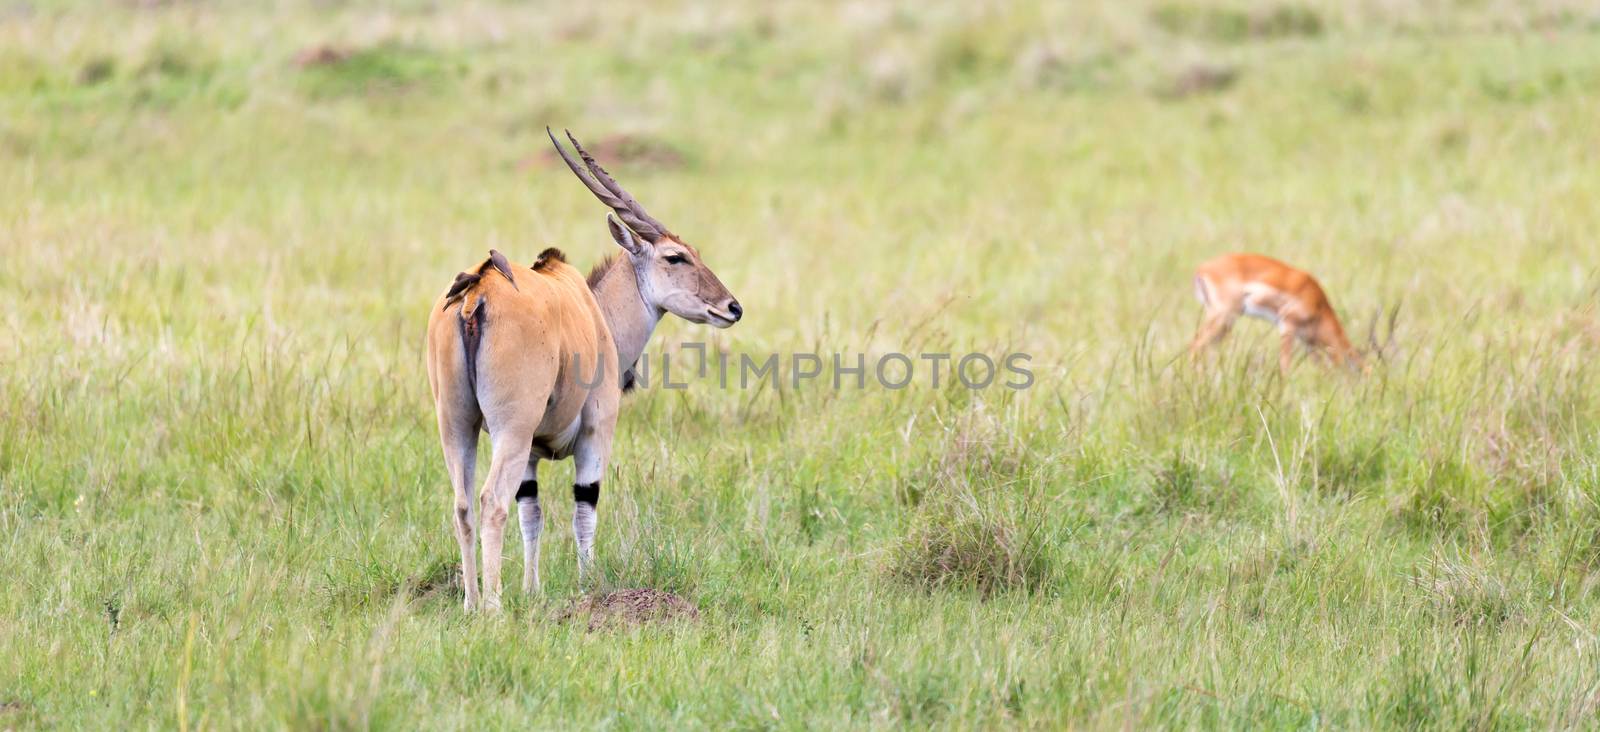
{"x": 1250, "y": 284}
{"x": 538, "y": 357}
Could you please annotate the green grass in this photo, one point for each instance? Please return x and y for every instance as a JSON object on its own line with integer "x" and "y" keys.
{"x": 221, "y": 497}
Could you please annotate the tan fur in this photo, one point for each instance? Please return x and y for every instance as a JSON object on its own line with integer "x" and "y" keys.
{"x": 599, "y": 270}
{"x": 531, "y": 337}
{"x": 1239, "y": 284}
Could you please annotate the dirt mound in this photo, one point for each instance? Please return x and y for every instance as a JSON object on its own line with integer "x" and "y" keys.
{"x": 1199, "y": 79}
{"x": 624, "y": 608}
{"x": 441, "y": 576}
{"x": 321, "y": 56}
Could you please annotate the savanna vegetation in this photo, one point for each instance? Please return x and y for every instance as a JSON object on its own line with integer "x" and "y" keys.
{"x": 222, "y": 502}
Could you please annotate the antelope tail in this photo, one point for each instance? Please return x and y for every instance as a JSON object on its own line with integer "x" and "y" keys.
{"x": 472, "y": 309}
{"x": 471, "y": 322}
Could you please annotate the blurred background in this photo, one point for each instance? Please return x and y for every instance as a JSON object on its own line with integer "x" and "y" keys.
{"x": 222, "y": 226}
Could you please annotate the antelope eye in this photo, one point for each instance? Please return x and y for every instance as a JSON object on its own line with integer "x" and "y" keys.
{"x": 676, "y": 259}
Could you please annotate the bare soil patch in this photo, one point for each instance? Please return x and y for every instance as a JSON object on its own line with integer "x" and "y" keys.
{"x": 1199, "y": 79}
{"x": 441, "y": 577}
{"x": 320, "y": 56}
{"x": 627, "y": 608}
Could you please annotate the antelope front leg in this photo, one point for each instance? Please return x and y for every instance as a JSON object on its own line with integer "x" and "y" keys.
{"x": 532, "y": 520}
{"x": 1286, "y": 351}
{"x": 593, "y": 450}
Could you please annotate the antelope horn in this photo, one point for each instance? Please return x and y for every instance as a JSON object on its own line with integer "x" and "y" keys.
{"x": 605, "y": 188}
{"x": 610, "y": 183}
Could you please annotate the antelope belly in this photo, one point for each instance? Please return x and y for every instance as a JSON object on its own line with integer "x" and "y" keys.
{"x": 558, "y": 446}
{"x": 1264, "y": 302}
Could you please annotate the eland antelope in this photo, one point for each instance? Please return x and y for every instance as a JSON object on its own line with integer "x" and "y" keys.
{"x": 1261, "y": 287}
{"x": 538, "y": 357}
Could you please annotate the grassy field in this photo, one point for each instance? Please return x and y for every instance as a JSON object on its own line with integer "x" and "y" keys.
{"x": 222, "y": 502}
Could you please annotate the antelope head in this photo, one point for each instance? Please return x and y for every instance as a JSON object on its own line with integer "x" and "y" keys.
{"x": 671, "y": 275}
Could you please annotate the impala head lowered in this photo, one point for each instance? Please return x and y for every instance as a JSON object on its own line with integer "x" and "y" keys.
{"x": 671, "y": 275}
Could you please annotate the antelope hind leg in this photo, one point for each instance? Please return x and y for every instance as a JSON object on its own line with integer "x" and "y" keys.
{"x": 511, "y": 448}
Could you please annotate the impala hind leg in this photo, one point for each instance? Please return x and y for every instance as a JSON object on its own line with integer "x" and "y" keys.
{"x": 511, "y": 447}
{"x": 532, "y": 521}
{"x": 1217, "y": 323}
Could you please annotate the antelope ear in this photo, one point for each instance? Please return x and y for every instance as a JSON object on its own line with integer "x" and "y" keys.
{"x": 624, "y": 236}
